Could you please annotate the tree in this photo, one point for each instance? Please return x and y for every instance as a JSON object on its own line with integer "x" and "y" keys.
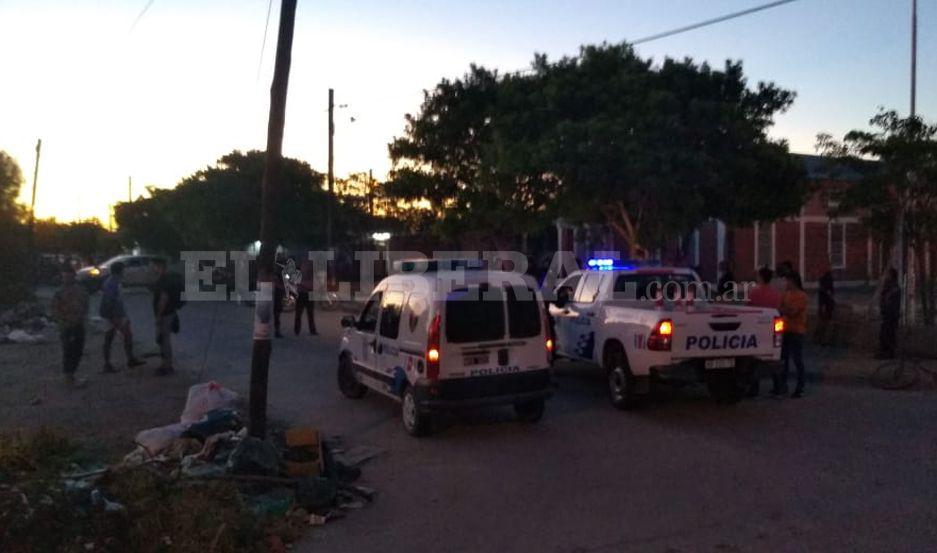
{"x": 445, "y": 161}
{"x": 600, "y": 137}
{"x": 219, "y": 208}
{"x": 903, "y": 186}
{"x": 13, "y": 251}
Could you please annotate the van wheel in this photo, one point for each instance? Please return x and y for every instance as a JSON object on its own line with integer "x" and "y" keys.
{"x": 347, "y": 382}
{"x": 529, "y": 411}
{"x": 724, "y": 387}
{"x": 621, "y": 383}
{"x": 414, "y": 422}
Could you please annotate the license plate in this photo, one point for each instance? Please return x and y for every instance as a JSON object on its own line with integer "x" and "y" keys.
{"x": 475, "y": 359}
{"x": 727, "y": 363}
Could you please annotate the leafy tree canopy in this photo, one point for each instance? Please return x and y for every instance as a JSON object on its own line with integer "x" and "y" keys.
{"x": 11, "y": 180}
{"x": 219, "y": 208}
{"x": 605, "y": 135}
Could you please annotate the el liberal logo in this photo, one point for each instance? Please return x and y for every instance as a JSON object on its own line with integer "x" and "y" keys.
{"x": 736, "y": 341}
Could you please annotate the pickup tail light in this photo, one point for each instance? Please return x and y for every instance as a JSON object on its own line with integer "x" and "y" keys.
{"x": 661, "y": 337}
{"x": 778, "y": 331}
{"x": 432, "y": 348}
{"x": 548, "y": 332}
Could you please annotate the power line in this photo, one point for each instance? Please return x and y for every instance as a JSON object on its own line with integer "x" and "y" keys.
{"x": 713, "y": 21}
{"x": 694, "y": 26}
{"x": 263, "y": 43}
{"x": 141, "y": 14}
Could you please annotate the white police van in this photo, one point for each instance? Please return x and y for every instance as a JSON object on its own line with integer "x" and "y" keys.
{"x": 644, "y": 323}
{"x": 444, "y": 335}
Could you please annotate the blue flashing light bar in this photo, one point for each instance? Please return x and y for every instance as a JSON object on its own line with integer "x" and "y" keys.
{"x": 605, "y": 264}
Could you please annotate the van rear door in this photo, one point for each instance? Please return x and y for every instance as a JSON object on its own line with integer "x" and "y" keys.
{"x": 490, "y": 330}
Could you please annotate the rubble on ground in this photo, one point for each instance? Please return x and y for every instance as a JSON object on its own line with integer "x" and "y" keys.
{"x": 26, "y": 323}
{"x": 287, "y": 483}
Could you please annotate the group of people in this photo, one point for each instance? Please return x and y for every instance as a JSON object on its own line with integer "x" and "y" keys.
{"x": 70, "y": 310}
{"x": 302, "y": 289}
{"x": 791, "y": 301}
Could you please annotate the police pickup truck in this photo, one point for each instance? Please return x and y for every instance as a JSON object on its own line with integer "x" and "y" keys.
{"x": 652, "y": 323}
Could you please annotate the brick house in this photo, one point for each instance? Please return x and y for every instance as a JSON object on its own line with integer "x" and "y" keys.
{"x": 810, "y": 240}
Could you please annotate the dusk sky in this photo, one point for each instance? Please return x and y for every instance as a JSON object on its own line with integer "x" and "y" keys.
{"x": 180, "y": 89}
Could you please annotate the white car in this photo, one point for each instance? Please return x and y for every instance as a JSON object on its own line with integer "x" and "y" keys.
{"x": 449, "y": 339}
{"x": 644, "y": 323}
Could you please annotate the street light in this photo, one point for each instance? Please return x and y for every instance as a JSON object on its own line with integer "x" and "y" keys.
{"x": 383, "y": 238}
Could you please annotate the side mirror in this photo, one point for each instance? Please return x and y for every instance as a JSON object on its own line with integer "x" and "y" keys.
{"x": 562, "y": 297}
{"x": 348, "y": 321}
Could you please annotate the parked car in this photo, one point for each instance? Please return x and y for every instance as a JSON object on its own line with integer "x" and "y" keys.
{"x": 445, "y": 340}
{"x": 139, "y": 270}
{"x": 647, "y": 323}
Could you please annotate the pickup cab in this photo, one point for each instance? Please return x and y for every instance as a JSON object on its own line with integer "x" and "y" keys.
{"x": 645, "y": 324}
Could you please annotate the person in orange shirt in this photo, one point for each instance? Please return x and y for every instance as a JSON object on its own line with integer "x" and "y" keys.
{"x": 794, "y": 310}
{"x": 763, "y": 294}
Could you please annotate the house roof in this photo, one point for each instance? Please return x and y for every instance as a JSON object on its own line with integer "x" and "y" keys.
{"x": 822, "y": 168}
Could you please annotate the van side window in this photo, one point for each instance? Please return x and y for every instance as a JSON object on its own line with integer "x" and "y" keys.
{"x": 416, "y": 308}
{"x": 589, "y": 289}
{"x": 571, "y": 283}
{"x": 367, "y": 322}
{"x": 523, "y": 312}
{"x": 390, "y": 314}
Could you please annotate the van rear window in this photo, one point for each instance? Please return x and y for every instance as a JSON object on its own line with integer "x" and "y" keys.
{"x": 523, "y": 312}
{"x": 475, "y": 314}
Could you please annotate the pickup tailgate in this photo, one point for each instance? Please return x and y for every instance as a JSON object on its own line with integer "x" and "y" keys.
{"x": 724, "y": 331}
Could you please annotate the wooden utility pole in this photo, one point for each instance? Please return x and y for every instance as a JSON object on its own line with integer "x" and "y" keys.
{"x": 130, "y": 189}
{"x": 263, "y": 310}
{"x": 370, "y": 192}
{"x": 32, "y": 203}
{"x": 328, "y": 204}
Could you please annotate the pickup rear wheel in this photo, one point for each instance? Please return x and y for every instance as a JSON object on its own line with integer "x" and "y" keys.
{"x": 347, "y": 382}
{"x": 724, "y": 386}
{"x": 529, "y": 411}
{"x": 621, "y": 383}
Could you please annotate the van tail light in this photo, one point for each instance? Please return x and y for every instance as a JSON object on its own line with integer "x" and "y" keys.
{"x": 661, "y": 336}
{"x": 432, "y": 348}
{"x": 778, "y": 331}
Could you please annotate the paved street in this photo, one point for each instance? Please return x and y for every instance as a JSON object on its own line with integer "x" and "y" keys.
{"x": 847, "y": 468}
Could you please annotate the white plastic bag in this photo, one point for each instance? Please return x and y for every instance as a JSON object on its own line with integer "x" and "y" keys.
{"x": 206, "y": 397}
{"x": 155, "y": 440}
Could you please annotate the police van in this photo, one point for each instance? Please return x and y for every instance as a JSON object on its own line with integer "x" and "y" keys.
{"x": 440, "y": 335}
{"x": 647, "y": 323}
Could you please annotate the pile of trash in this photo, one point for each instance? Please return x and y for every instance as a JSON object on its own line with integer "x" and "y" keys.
{"x": 24, "y": 324}
{"x": 273, "y": 489}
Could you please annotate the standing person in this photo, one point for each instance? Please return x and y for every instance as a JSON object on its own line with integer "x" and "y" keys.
{"x": 890, "y": 309}
{"x": 112, "y": 310}
{"x": 762, "y": 295}
{"x": 794, "y": 311}
{"x": 726, "y": 280}
{"x": 305, "y": 298}
{"x": 167, "y": 299}
{"x": 70, "y": 310}
{"x": 825, "y": 304}
{"x": 279, "y": 295}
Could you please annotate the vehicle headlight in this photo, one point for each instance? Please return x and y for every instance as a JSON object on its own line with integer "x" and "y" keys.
{"x": 95, "y": 271}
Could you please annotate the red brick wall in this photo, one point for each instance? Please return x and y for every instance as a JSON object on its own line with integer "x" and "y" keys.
{"x": 744, "y": 260}
{"x": 815, "y": 250}
{"x": 857, "y": 265}
{"x": 708, "y": 251}
{"x": 787, "y": 242}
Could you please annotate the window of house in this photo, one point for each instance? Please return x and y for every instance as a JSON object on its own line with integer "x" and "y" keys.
{"x": 837, "y": 245}
{"x": 764, "y": 245}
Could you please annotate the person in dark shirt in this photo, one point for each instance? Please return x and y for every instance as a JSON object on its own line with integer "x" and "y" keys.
{"x": 890, "y": 309}
{"x": 825, "y": 304}
{"x": 167, "y": 299}
{"x": 112, "y": 310}
{"x": 305, "y": 299}
{"x": 70, "y": 310}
